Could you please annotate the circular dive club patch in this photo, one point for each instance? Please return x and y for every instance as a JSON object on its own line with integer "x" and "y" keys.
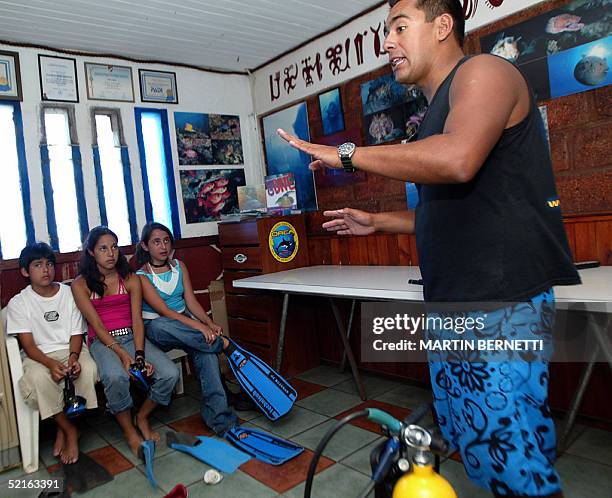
{"x": 283, "y": 242}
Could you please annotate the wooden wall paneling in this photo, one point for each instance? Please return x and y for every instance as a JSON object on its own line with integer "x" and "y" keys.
{"x": 570, "y": 230}
{"x": 403, "y": 244}
{"x": 603, "y": 241}
{"x": 358, "y": 250}
{"x": 586, "y": 245}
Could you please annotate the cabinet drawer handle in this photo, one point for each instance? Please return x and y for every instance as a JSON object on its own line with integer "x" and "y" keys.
{"x": 240, "y": 258}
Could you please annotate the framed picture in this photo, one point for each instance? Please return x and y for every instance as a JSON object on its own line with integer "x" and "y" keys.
{"x": 332, "y": 116}
{"x": 10, "y": 78}
{"x": 282, "y": 158}
{"x": 106, "y": 82}
{"x": 58, "y": 78}
{"x": 158, "y": 86}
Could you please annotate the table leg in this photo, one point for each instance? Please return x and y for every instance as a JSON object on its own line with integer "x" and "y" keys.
{"x": 281, "y": 333}
{"x": 348, "y": 334}
{"x": 347, "y": 349}
{"x": 602, "y": 344}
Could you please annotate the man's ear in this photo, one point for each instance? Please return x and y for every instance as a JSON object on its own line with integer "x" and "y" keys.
{"x": 444, "y": 26}
{"x": 24, "y": 272}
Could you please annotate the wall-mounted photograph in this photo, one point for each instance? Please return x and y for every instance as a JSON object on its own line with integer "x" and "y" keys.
{"x": 210, "y": 193}
{"x": 158, "y": 86}
{"x": 10, "y": 77}
{"x": 193, "y": 138}
{"x": 332, "y": 115}
{"x": 282, "y": 158}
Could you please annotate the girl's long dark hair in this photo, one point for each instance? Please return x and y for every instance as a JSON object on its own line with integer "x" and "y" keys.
{"x": 88, "y": 267}
{"x": 141, "y": 255}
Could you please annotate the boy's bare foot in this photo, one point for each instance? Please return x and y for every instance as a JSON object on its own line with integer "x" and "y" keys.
{"x": 70, "y": 452}
{"x": 60, "y": 441}
{"x": 145, "y": 428}
{"x": 134, "y": 442}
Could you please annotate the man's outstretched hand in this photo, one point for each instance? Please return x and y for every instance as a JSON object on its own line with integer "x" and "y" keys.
{"x": 325, "y": 156}
{"x": 349, "y": 221}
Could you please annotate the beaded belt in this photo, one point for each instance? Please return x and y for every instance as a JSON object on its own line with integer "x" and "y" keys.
{"x": 120, "y": 332}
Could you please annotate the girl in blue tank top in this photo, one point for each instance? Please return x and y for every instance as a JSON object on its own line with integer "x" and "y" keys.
{"x": 174, "y": 319}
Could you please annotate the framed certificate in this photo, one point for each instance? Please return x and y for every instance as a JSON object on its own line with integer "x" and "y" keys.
{"x": 10, "y": 78}
{"x": 106, "y": 82}
{"x": 58, "y": 78}
{"x": 158, "y": 86}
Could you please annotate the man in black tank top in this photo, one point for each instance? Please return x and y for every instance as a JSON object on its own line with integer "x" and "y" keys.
{"x": 488, "y": 228}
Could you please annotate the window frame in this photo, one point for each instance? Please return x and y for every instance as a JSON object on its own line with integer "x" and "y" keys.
{"x": 22, "y": 167}
{"x": 117, "y": 124}
{"x": 170, "y": 180}
{"x": 77, "y": 166}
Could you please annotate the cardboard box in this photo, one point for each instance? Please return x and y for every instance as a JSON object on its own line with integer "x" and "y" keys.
{"x": 216, "y": 292}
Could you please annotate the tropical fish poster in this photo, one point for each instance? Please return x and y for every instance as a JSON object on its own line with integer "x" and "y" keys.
{"x": 205, "y": 139}
{"x": 391, "y": 111}
{"x": 281, "y": 192}
{"x": 564, "y": 51}
{"x": 209, "y": 193}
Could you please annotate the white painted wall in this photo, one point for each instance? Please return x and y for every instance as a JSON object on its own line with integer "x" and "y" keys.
{"x": 198, "y": 91}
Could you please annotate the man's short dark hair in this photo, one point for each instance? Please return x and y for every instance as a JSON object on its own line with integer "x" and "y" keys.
{"x": 32, "y": 252}
{"x": 435, "y": 8}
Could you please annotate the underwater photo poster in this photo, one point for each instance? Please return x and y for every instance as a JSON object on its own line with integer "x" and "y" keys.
{"x": 391, "y": 111}
{"x": 207, "y": 139}
{"x": 332, "y": 117}
{"x": 563, "y": 51}
{"x": 209, "y": 193}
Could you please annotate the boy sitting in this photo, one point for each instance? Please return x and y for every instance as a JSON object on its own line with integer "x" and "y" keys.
{"x": 50, "y": 330}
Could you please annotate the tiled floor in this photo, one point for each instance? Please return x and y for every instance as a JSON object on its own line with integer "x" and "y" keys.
{"x": 325, "y": 395}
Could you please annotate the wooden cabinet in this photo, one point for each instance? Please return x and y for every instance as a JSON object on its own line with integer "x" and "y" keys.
{"x": 256, "y": 247}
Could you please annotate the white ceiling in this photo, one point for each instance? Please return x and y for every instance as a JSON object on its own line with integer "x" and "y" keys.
{"x": 232, "y": 35}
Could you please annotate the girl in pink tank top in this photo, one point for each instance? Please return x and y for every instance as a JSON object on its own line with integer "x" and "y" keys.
{"x": 109, "y": 296}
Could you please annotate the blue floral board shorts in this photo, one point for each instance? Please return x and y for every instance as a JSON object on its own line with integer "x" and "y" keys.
{"x": 496, "y": 412}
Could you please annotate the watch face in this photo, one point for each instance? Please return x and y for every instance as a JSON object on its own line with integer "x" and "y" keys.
{"x": 346, "y": 148}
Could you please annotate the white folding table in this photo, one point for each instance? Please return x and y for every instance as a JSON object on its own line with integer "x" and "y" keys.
{"x": 392, "y": 283}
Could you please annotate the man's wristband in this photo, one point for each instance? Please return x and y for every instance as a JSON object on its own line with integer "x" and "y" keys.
{"x": 74, "y": 352}
{"x": 139, "y": 352}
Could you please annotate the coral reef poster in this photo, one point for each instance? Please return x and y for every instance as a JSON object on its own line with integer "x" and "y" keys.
{"x": 209, "y": 193}
{"x": 391, "y": 110}
{"x": 204, "y": 139}
{"x": 564, "y": 51}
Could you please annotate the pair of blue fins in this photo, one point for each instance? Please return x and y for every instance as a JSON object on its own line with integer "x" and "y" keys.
{"x": 270, "y": 392}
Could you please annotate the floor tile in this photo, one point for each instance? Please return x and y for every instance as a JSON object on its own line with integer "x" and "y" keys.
{"x": 179, "y": 408}
{"x": 111, "y": 459}
{"x": 364, "y": 423}
{"x": 160, "y": 449}
{"x": 248, "y": 414}
{"x": 360, "y": 460}
{"x": 177, "y": 467}
{"x": 193, "y": 425}
{"x": 583, "y": 478}
{"x": 329, "y": 402}
{"x": 284, "y": 477}
{"x": 456, "y": 476}
{"x": 23, "y": 491}
{"x": 305, "y": 388}
{"x": 594, "y": 444}
{"x": 236, "y": 485}
{"x": 12, "y": 474}
{"x": 109, "y": 430}
{"x": 346, "y": 441}
{"x": 325, "y": 375}
{"x": 406, "y": 396}
{"x": 130, "y": 484}
{"x": 336, "y": 482}
{"x": 372, "y": 384}
{"x": 296, "y": 421}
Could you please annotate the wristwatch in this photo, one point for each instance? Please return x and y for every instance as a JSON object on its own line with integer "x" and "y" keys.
{"x": 345, "y": 152}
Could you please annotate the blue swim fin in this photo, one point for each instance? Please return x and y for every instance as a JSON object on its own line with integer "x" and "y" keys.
{"x": 263, "y": 446}
{"x": 146, "y": 453}
{"x": 216, "y": 453}
{"x": 271, "y": 393}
